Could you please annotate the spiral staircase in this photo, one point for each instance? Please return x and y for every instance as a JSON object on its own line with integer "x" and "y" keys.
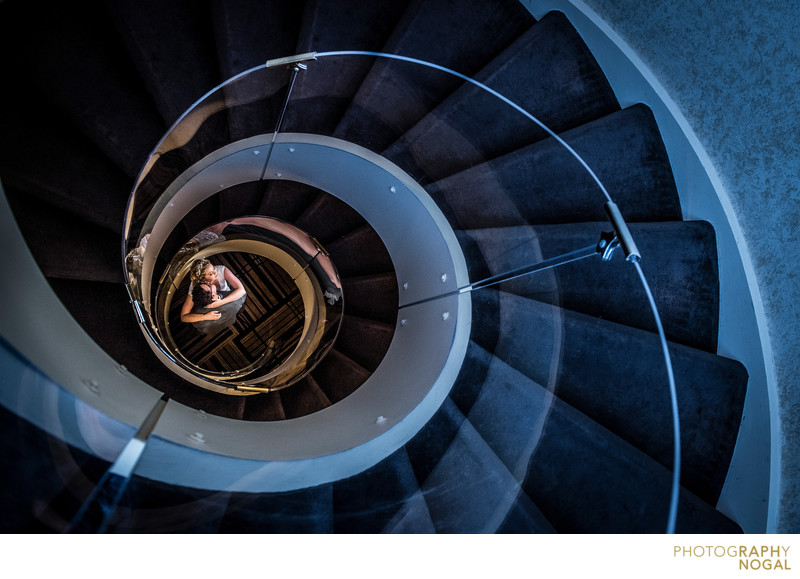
{"x": 102, "y": 82}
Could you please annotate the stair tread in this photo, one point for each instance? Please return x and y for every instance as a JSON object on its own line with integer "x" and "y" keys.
{"x": 616, "y": 375}
{"x": 264, "y": 407}
{"x": 322, "y": 93}
{"x": 339, "y": 376}
{"x": 304, "y": 397}
{"x": 679, "y": 260}
{"x": 412, "y": 517}
{"x": 539, "y": 436}
{"x": 328, "y": 218}
{"x": 470, "y": 490}
{"x": 529, "y": 185}
{"x": 117, "y": 113}
{"x": 79, "y": 179}
{"x": 394, "y": 96}
{"x": 366, "y": 503}
{"x": 374, "y": 297}
{"x": 286, "y": 199}
{"x": 372, "y": 259}
{"x": 177, "y": 63}
{"x": 303, "y": 511}
{"x": 65, "y": 246}
{"x": 364, "y": 341}
{"x": 548, "y": 71}
{"x": 153, "y": 507}
{"x": 242, "y": 199}
{"x": 436, "y": 439}
{"x": 250, "y": 33}
{"x": 247, "y": 35}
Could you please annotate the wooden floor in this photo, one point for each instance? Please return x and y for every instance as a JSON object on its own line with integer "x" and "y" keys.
{"x": 272, "y": 313}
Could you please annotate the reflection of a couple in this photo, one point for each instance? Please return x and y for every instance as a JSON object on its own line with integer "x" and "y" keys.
{"x": 215, "y": 297}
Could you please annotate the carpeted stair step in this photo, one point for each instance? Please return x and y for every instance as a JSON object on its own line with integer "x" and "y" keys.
{"x": 366, "y": 502}
{"x": 616, "y": 376}
{"x": 264, "y": 407}
{"x": 241, "y": 199}
{"x": 429, "y": 445}
{"x": 150, "y": 506}
{"x": 503, "y": 411}
{"x": 249, "y": 33}
{"x": 45, "y": 157}
{"x": 200, "y": 217}
{"x": 615, "y": 489}
{"x": 322, "y": 93}
{"x": 65, "y": 246}
{"x": 45, "y": 481}
{"x": 469, "y": 490}
{"x": 374, "y": 297}
{"x": 303, "y": 511}
{"x": 371, "y": 257}
{"x": 548, "y": 71}
{"x": 544, "y": 184}
{"x": 286, "y": 199}
{"x": 99, "y": 91}
{"x": 338, "y": 376}
{"x": 303, "y": 398}
{"x": 559, "y": 452}
{"x": 364, "y": 341}
{"x": 679, "y": 260}
{"x": 395, "y": 95}
{"x": 443, "y": 435}
{"x": 178, "y": 64}
{"x": 329, "y": 218}
{"x": 435, "y": 439}
{"x": 413, "y": 517}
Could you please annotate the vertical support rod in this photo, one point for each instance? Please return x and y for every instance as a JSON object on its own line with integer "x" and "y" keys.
{"x": 97, "y": 511}
{"x": 623, "y": 233}
{"x": 296, "y": 68}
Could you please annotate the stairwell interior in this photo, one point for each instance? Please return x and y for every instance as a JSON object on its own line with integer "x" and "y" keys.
{"x": 558, "y": 420}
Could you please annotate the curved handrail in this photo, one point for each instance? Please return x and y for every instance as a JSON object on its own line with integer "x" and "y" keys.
{"x": 671, "y": 522}
{"x": 489, "y": 90}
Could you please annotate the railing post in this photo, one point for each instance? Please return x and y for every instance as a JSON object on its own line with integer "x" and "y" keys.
{"x": 97, "y": 511}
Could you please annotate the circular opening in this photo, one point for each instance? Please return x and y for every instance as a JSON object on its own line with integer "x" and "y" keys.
{"x": 406, "y": 331}
{"x": 254, "y": 302}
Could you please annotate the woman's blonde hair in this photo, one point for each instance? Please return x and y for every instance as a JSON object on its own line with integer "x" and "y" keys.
{"x": 198, "y": 271}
